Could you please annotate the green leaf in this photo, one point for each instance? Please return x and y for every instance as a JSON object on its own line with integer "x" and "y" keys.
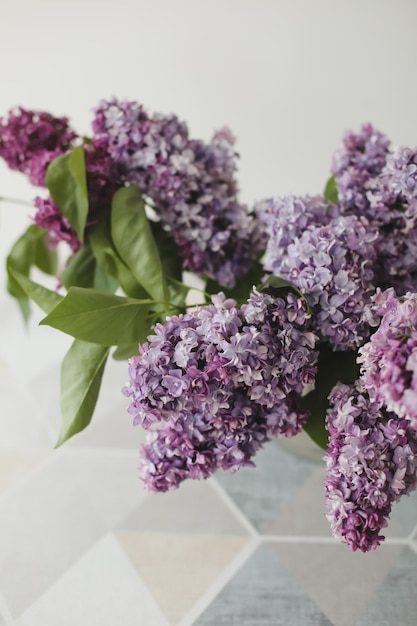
{"x": 133, "y": 239}
{"x": 81, "y": 374}
{"x": 123, "y": 353}
{"x": 44, "y": 298}
{"x": 332, "y": 367}
{"x": 80, "y": 269}
{"x": 330, "y": 191}
{"x": 67, "y": 182}
{"x": 26, "y": 252}
{"x": 109, "y": 260}
{"x": 103, "y": 281}
{"x": 101, "y": 318}
{"x": 45, "y": 258}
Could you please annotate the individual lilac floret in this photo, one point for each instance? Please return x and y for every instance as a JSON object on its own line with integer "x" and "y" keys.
{"x": 103, "y": 180}
{"x": 219, "y": 380}
{"x": 361, "y": 158}
{"x": 332, "y": 266}
{"x": 191, "y": 183}
{"x": 30, "y": 140}
{"x": 371, "y": 462}
{"x": 389, "y": 360}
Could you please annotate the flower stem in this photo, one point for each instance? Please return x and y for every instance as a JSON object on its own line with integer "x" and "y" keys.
{"x": 16, "y": 201}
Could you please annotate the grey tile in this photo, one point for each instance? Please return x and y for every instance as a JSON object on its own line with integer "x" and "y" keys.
{"x": 395, "y": 602}
{"x": 262, "y": 593}
{"x": 262, "y": 492}
{"x": 340, "y": 581}
{"x": 403, "y": 518}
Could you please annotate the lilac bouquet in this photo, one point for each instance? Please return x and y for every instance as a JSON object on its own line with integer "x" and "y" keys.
{"x": 307, "y": 317}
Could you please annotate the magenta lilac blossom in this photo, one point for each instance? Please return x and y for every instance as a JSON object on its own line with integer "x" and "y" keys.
{"x": 191, "y": 183}
{"x": 371, "y": 462}
{"x": 30, "y": 140}
{"x": 389, "y": 360}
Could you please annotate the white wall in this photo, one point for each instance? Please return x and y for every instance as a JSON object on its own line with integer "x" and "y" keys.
{"x": 288, "y": 76}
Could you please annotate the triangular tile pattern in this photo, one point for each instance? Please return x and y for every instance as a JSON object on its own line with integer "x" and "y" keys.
{"x": 293, "y": 520}
{"x": 329, "y": 574}
{"x": 16, "y": 464}
{"x": 395, "y": 602}
{"x": 262, "y": 492}
{"x": 178, "y": 568}
{"x": 101, "y": 588}
{"x": 179, "y": 512}
{"x": 263, "y": 593}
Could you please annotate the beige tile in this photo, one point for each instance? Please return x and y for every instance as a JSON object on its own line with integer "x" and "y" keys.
{"x": 177, "y": 568}
{"x": 195, "y": 508}
{"x": 16, "y": 464}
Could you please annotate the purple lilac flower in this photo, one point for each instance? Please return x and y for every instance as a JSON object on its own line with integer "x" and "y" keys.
{"x": 361, "y": 158}
{"x": 191, "y": 183}
{"x": 389, "y": 360}
{"x": 49, "y": 217}
{"x": 393, "y": 210}
{"x": 218, "y": 381}
{"x": 285, "y": 218}
{"x": 103, "y": 180}
{"x": 332, "y": 264}
{"x": 30, "y": 140}
{"x": 371, "y": 462}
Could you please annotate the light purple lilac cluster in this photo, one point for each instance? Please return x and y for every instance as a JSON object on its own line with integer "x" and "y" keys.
{"x": 217, "y": 382}
{"x": 382, "y": 185}
{"x": 359, "y": 160}
{"x": 103, "y": 180}
{"x": 371, "y": 462}
{"x": 389, "y": 360}
{"x": 30, "y": 140}
{"x": 191, "y": 183}
{"x": 329, "y": 257}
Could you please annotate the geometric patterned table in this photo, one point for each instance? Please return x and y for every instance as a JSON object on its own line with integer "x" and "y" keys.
{"x": 82, "y": 544}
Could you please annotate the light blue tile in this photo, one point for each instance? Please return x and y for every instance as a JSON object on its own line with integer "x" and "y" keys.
{"x": 262, "y": 593}
{"x": 262, "y": 492}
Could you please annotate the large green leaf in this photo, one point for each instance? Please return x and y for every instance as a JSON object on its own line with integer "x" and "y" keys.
{"x": 80, "y": 269}
{"x": 109, "y": 260}
{"x": 81, "y": 374}
{"x": 67, "y": 182}
{"x": 134, "y": 241}
{"x": 46, "y": 299}
{"x": 45, "y": 258}
{"x": 102, "y": 318}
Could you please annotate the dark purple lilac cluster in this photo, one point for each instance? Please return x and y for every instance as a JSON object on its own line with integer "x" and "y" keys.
{"x": 371, "y": 462}
{"x": 329, "y": 257}
{"x": 30, "y": 140}
{"x": 191, "y": 183}
{"x": 217, "y": 382}
{"x": 389, "y": 360}
{"x": 103, "y": 180}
